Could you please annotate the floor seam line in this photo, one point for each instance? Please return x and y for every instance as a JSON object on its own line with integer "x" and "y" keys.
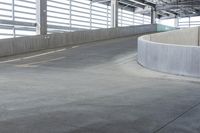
{"x": 173, "y": 120}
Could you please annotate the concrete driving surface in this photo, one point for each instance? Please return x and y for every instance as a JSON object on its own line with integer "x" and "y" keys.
{"x": 94, "y": 88}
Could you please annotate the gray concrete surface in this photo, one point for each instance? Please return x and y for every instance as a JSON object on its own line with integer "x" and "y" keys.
{"x": 41, "y": 42}
{"x": 186, "y": 37}
{"x": 167, "y": 52}
{"x": 94, "y": 88}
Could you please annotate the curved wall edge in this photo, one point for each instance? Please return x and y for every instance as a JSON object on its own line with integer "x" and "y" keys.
{"x": 169, "y": 58}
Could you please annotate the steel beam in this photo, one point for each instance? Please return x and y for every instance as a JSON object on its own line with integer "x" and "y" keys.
{"x": 100, "y": 1}
{"x": 131, "y": 3}
{"x": 41, "y": 17}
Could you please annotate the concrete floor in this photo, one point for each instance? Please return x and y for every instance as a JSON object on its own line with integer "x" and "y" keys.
{"x": 94, "y": 88}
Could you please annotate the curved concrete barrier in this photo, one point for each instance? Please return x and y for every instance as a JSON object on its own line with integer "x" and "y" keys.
{"x": 175, "y": 52}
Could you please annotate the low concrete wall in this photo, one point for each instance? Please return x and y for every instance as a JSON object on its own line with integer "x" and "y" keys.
{"x": 181, "y": 37}
{"x": 175, "y": 52}
{"x": 34, "y": 43}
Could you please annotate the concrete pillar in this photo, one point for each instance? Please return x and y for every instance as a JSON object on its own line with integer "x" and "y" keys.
{"x": 176, "y": 22}
{"x": 13, "y": 17}
{"x": 107, "y": 17}
{"x": 90, "y": 15}
{"x": 189, "y": 21}
{"x": 153, "y": 15}
{"x": 198, "y": 36}
{"x": 114, "y": 13}
{"x": 41, "y": 17}
{"x": 70, "y": 15}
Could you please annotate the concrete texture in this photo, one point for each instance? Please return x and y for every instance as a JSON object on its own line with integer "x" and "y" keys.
{"x": 94, "y": 88}
{"x": 41, "y": 42}
{"x": 182, "y": 37}
{"x": 175, "y": 52}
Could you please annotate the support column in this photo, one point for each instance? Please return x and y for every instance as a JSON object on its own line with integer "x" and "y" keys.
{"x": 189, "y": 22}
{"x": 41, "y": 17}
{"x": 133, "y": 17}
{"x": 70, "y": 15}
{"x": 121, "y": 17}
{"x": 176, "y": 22}
{"x": 13, "y": 17}
{"x": 90, "y": 15}
{"x": 114, "y": 13}
{"x": 153, "y": 15}
{"x": 107, "y": 17}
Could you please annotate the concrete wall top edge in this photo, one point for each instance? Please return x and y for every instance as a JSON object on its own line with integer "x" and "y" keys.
{"x": 184, "y": 37}
{"x": 170, "y": 58}
{"x": 13, "y": 46}
{"x": 138, "y": 26}
{"x": 145, "y": 39}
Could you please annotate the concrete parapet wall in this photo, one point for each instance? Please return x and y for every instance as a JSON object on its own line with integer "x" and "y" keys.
{"x": 34, "y": 43}
{"x": 199, "y": 36}
{"x": 175, "y": 52}
{"x": 182, "y": 37}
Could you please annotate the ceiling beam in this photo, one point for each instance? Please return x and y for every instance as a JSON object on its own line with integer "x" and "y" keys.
{"x": 143, "y": 2}
{"x": 130, "y": 3}
{"x": 100, "y": 1}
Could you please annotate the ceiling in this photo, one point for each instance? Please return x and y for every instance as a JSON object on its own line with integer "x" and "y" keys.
{"x": 165, "y": 9}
